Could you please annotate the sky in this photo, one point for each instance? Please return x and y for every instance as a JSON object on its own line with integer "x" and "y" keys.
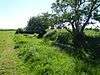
{"x": 15, "y": 13}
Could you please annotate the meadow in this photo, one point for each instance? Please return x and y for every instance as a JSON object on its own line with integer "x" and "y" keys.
{"x": 23, "y": 54}
{"x": 10, "y": 64}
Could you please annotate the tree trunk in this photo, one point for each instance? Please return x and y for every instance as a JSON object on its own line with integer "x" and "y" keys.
{"x": 79, "y": 39}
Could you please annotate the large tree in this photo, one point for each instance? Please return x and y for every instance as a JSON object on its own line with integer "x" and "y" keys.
{"x": 39, "y": 24}
{"x": 78, "y": 13}
{"x": 36, "y": 25}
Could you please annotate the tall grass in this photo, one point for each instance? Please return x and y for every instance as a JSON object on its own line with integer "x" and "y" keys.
{"x": 10, "y": 64}
{"x": 44, "y": 59}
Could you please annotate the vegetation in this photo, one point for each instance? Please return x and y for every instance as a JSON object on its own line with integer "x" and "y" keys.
{"x": 60, "y": 36}
{"x": 78, "y": 13}
{"x": 38, "y": 24}
{"x": 19, "y": 30}
{"x": 37, "y": 50}
{"x": 31, "y": 55}
{"x": 43, "y": 57}
{"x": 10, "y": 64}
{"x": 7, "y": 29}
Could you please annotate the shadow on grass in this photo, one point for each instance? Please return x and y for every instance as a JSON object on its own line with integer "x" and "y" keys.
{"x": 94, "y": 44}
{"x": 88, "y": 65}
{"x": 92, "y": 49}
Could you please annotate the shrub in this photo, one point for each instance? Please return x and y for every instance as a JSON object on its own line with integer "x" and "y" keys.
{"x": 35, "y": 25}
{"x": 59, "y": 36}
{"x": 63, "y": 38}
{"x": 51, "y": 35}
{"x": 19, "y": 30}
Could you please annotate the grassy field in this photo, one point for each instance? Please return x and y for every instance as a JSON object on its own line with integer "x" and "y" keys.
{"x": 42, "y": 57}
{"x": 27, "y": 55}
{"x": 10, "y": 64}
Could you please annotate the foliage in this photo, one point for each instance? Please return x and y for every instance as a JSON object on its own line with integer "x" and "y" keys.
{"x": 39, "y": 24}
{"x": 93, "y": 39}
{"x": 10, "y": 64}
{"x": 43, "y": 58}
{"x": 39, "y": 57}
{"x": 19, "y": 30}
{"x": 51, "y": 35}
{"x": 64, "y": 38}
{"x": 60, "y": 36}
{"x": 7, "y": 29}
{"x": 78, "y": 13}
{"x": 35, "y": 25}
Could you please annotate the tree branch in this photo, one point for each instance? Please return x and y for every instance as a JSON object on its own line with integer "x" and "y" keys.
{"x": 96, "y": 7}
{"x": 89, "y": 15}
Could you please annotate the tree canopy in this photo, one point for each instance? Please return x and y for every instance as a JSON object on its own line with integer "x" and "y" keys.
{"x": 77, "y": 12}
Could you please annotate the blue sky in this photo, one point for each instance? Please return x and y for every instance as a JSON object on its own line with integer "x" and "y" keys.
{"x": 16, "y": 13}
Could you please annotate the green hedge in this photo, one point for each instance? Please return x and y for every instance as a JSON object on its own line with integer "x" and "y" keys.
{"x": 61, "y": 36}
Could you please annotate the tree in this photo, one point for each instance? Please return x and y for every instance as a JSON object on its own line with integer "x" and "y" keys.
{"x": 35, "y": 25}
{"x": 19, "y": 31}
{"x": 40, "y": 23}
{"x": 78, "y": 13}
{"x": 46, "y": 20}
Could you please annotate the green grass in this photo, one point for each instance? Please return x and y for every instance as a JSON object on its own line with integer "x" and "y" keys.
{"x": 27, "y": 55}
{"x": 10, "y": 64}
{"x": 92, "y": 33}
{"x": 45, "y": 59}
{"x": 42, "y": 57}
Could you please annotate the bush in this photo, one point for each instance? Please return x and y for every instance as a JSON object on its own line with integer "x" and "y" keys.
{"x": 19, "y": 30}
{"x": 40, "y": 32}
{"x": 59, "y": 36}
{"x": 51, "y": 35}
{"x": 63, "y": 38}
{"x": 35, "y": 25}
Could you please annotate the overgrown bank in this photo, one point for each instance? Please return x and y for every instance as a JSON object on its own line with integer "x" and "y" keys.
{"x": 10, "y": 64}
{"x": 43, "y": 58}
